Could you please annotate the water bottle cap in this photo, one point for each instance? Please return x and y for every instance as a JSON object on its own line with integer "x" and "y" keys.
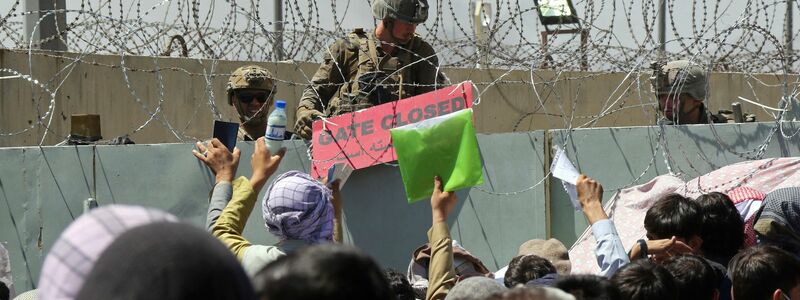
{"x": 280, "y": 104}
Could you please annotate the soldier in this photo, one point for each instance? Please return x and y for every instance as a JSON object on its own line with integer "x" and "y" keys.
{"x": 371, "y": 68}
{"x": 681, "y": 90}
{"x": 251, "y": 90}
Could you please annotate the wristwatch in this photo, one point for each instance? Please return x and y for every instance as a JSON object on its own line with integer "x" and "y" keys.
{"x": 642, "y": 248}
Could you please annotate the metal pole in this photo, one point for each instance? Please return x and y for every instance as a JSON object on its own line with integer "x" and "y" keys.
{"x": 738, "y": 117}
{"x": 662, "y": 27}
{"x": 480, "y": 33}
{"x": 278, "y": 26}
{"x": 788, "y": 33}
{"x": 49, "y": 28}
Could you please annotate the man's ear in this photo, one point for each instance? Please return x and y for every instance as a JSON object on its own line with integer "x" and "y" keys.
{"x": 777, "y": 295}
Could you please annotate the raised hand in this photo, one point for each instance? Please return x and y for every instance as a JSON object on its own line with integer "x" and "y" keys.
{"x": 442, "y": 203}
{"x": 264, "y": 163}
{"x": 215, "y": 155}
{"x": 590, "y": 194}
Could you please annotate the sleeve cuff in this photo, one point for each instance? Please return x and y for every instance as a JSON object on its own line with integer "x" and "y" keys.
{"x": 223, "y": 186}
{"x": 602, "y": 228}
{"x": 243, "y": 184}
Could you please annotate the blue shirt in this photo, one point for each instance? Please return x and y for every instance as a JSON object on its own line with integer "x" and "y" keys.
{"x": 610, "y": 253}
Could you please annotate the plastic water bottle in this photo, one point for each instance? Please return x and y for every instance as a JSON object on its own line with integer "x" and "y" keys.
{"x": 276, "y": 127}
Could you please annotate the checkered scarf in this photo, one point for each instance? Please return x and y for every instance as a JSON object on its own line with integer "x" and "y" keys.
{"x": 297, "y": 207}
{"x": 782, "y": 209}
{"x": 743, "y": 194}
{"x": 77, "y": 249}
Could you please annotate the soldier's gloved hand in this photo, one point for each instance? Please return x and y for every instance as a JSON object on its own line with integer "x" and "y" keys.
{"x": 304, "y": 121}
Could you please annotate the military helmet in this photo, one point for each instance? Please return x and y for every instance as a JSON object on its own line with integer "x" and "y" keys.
{"x": 411, "y": 11}
{"x": 250, "y": 77}
{"x": 677, "y": 77}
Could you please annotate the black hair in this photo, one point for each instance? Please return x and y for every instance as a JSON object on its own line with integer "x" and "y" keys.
{"x": 758, "y": 271}
{"x": 644, "y": 280}
{"x": 165, "y": 260}
{"x": 588, "y": 287}
{"x": 723, "y": 227}
{"x": 694, "y": 277}
{"x": 326, "y": 271}
{"x": 399, "y": 285}
{"x": 525, "y": 268}
{"x": 5, "y": 294}
{"x": 673, "y": 215}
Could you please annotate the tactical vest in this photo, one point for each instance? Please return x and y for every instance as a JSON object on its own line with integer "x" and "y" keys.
{"x": 386, "y": 87}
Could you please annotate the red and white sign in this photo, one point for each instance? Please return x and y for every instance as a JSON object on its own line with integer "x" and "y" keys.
{"x": 362, "y": 138}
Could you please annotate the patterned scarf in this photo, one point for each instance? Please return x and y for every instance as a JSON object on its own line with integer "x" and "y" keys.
{"x": 297, "y": 207}
{"x": 77, "y": 249}
{"x": 779, "y": 221}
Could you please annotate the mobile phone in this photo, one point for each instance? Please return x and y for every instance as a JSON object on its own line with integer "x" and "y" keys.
{"x": 226, "y": 132}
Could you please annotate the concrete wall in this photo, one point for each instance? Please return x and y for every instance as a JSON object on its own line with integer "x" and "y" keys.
{"x": 42, "y": 188}
{"x": 623, "y": 157}
{"x": 95, "y": 84}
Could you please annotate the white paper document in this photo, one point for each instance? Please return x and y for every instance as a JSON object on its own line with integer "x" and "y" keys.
{"x": 564, "y": 170}
{"x": 340, "y": 171}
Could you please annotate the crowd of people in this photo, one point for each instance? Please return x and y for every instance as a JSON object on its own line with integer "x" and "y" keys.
{"x": 704, "y": 248}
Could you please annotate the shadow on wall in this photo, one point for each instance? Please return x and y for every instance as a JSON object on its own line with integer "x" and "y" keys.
{"x": 381, "y": 221}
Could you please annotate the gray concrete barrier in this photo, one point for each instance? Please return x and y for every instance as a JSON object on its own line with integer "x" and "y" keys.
{"x": 43, "y": 188}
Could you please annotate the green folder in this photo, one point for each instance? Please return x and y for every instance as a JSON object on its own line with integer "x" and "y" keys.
{"x": 444, "y": 146}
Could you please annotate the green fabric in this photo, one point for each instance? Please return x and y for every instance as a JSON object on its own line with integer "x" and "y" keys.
{"x": 444, "y": 146}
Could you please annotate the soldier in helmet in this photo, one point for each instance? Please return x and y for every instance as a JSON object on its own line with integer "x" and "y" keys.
{"x": 368, "y": 68}
{"x": 251, "y": 90}
{"x": 681, "y": 90}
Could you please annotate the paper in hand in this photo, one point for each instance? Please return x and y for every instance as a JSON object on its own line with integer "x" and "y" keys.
{"x": 340, "y": 171}
{"x": 562, "y": 168}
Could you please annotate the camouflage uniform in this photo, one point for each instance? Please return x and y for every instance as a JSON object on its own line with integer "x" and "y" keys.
{"x": 681, "y": 76}
{"x": 356, "y": 73}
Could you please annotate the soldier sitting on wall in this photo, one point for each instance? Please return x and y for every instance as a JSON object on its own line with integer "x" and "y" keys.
{"x": 372, "y": 67}
{"x": 681, "y": 90}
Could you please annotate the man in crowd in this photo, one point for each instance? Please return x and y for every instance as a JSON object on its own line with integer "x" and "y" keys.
{"x": 372, "y": 67}
{"x": 765, "y": 273}
{"x": 681, "y": 90}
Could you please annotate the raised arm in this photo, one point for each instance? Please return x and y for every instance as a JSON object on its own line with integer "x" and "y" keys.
{"x": 441, "y": 275}
{"x": 337, "y": 211}
{"x": 230, "y": 225}
{"x": 223, "y": 164}
{"x": 610, "y": 253}
{"x": 264, "y": 163}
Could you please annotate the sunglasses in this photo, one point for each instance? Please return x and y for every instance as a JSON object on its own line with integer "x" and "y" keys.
{"x": 247, "y": 97}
